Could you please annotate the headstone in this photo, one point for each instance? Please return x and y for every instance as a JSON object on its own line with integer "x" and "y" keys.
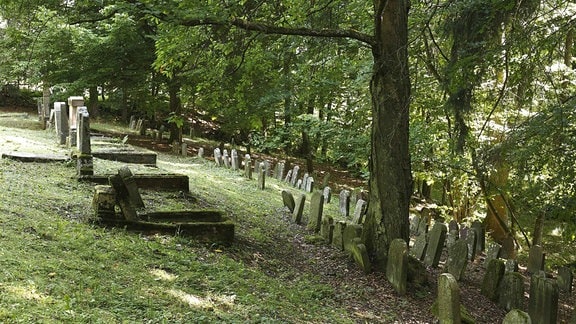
{"x": 304, "y": 181}
{"x": 493, "y": 252}
{"x": 123, "y": 198}
{"x": 517, "y": 316}
{"x": 418, "y": 251}
{"x": 464, "y": 232}
{"x": 492, "y": 278}
{"x": 288, "y": 176}
{"x": 130, "y": 184}
{"x": 294, "y": 175}
{"x": 480, "y": 230}
{"x": 359, "y": 211}
{"x": 218, "y": 157}
{"x": 471, "y": 240}
{"x": 104, "y": 202}
{"x": 453, "y": 233}
{"x": 235, "y": 160}
{"x": 448, "y": 299}
{"x": 355, "y": 195}
{"x": 344, "y": 204}
{"x": 351, "y": 232}
{"x": 536, "y": 258}
{"x": 132, "y": 123}
{"x": 508, "y": 250}
{"x": 184, "y": 149}
{"x": 267, "y": 169}
{"x": 61, "y": 118}
{"x": 73, "y": 104}
{"x": 310, "y": 184}
{"x": 457, "y": 259}
{"x": 453, "y": 226}
{"x": 565, "y": 278}
{"x": 299, "y": 183}
{"x": 226, "y": 159}
{"x": 176, "y": 147}
{"x": 337, "y": 235}
{"x": 435, "y": 244}
{"x": 543, "y": 302}
{"x": 511, "y": 265}
{"x": 327, "y": 192}
{"x": 288, "y": 200}
{"x": 257, "y": 166}
{"x": 327, "y": 228}
{"x": 360, "y": 255}
{"x": 422, "y": 226}
{"x": 299, "y": 209}
{"x": 201, "y": 152}
{"x": 325, "y": 179}
{"x": 280, "y": 171}
{"x": 261, "y": 177}
{"x": 397, "y": 265}
{"x": 316, "y": 209}
{"x": 414, "y": 221}
{"x": 511, "y": 289}
{"x": 81, "y": 130}
{"x": 248, "y": 167}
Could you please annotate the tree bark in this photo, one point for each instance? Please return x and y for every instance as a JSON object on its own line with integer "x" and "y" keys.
{"x": 390, "y": 169}
{"x": 175, "y": 109}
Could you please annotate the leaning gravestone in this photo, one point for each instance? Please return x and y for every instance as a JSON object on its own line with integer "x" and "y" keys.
{"x": 217, "y": 157}
{"x": 359, "y": 211}
{"x": 536, "y": 258}
{"x": 294, "y": 175}
{"x": 457, "y": 259}
{"x": 492, "y": 252}
{"x": 565, "y": 277}
{"x": 327, "y": 192}
{"x": 327, "y": 229}
{"x": 543, "y": 302}
{"x": 288, "y": 176}
{"x": 61, "y": 117}
{"x": 422, "y": 226}
{"x": 288, "y": 200}
{"x": 517, "y": 316}
{"x": 511, "y": 291}
{"x": 351, "y": 232}
{"x": 123, "y": 198}
{"x": 492, "y": 278}
{"x": 397, "y": 265}
{"x": 344, "y": 204}
{"x": 435, "y": 244}
{"x": 104, "y": 202}
{"x": 448, "y": 299}
{"x": 418, "y": 251}
{"x": 360, "y": 255}
{"x": 128, "y": 179}
{"x": 337, "y": 235}
{"x": 310, "y": 184}
{"x": 316, "y": 209}
{"x": 299, "y": 209}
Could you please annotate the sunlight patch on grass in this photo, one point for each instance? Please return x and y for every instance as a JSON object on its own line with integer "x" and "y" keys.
{"x": 161, "y": 274}
{"x": 192, "y": 300}
{"x": 28, "y": 292}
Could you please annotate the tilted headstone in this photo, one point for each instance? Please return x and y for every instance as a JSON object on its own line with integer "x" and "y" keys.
{"x": 327, "y": 228}
{"x": 132, "y": 123}
{"x": 337, "y": 235}
{"x": 448, "y": 299}
{"x": 133, "y": 193}
{"x": 536, "y": 258}
{"x": 316, "y": 210}
{"x": 511, "y": 294}
{"x": 294, "y": 176}
{"x": 418, "y": 251}
{"x": 492, "y": 252}
{"x": 201, "y": 152}
{"x": 261, "y": 177}
{"x": 344, "y": 204}
{"x": 453, "y": 233}
{"x": 360, "y": 255}
{"x": 327, "y": 192}
{"x": 358, "y": 217}
{"x": 288, "y": 200}
{"x": 235, "y": 161}
{"x": 123, "y": 198}
{"x": 351, "y": 232}
{"x": 218, "y": 157}
{"x": 457, "y": 259}
{"x": 299, "y": 209}
{"x": 435, "y": 244}
{"x": 565, "y": 278}
{"x": 511, "y": 265}
{"x": 517, "y": 316}
{"x": 288, "y": 176}
{"x": 480, "y": 230}
{"x": 471, "y": 240}
{"x": 247, "y": 167}
{"x": 543, "y": 302}
{"x": 492, "y": 278}
{"x": 397, "y": 265}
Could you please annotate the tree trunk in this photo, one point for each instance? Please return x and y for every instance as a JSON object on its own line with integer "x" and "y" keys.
{"x": 93, "y": 102}
{"x": 175, "y": 109}
{"x": 390, "y": 174}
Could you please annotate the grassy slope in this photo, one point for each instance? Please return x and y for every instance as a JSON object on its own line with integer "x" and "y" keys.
{"x": 56, "y": 267}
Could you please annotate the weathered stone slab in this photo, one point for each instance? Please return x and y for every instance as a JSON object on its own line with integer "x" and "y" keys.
{"x": 327, "y": 228}
{"x": 123, "y": 198}
{"x": 337, "y": 235}
{"x": 511, "y": 291}
{"x": 508, "y": 248}
{"x": 358, "y": 217}
{"x": 511, "y": 265}
{"x": 131, "y": 187}
{"x": 565, "y": 278}
{"x": 299, "y": 209}
{"x": 448, "y": 299}
{"x": 397, "y": 265}
{"x": 536, "y": 258}
{"x": 492, "y": 252}
{"x": 316, "y": 210}
{"x": 127, "y": 157}
{"x": 344, "y": 204}
{"x": 327, "y": 192}
{"x": 33, "y": 157}
{"x": 351, "y": 231}
{"x": 199, "y": 215}
{"x": 517, "y": 316}
{"x": 167, "y": 182}
{"x": 104, "y": 202}
{"x": 262, "y": 177}
{"x": 480, "y": 230}
{"x": 492, "y": 278}
{"x": 457, "y": 259}
{"x": 471, "y": 240}
{"x": 288, "y": 200}
{"x": 435, "y": 244}
{"x": 543, "y": 302}
{"x": 360, "y": 255}
{"x": 418, "y": 251}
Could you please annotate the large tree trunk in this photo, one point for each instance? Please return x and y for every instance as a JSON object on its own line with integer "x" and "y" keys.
{"x": 175, "y": 109}
{"x": 390, "y": 174}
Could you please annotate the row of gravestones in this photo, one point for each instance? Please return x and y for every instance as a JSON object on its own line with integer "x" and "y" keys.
{"x": 501, "y": 283}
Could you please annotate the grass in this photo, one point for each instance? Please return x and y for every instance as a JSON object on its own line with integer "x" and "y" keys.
{"x": 57, "y": 267}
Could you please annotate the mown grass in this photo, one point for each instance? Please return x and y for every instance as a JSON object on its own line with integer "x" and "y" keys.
{"x": 55, "y": 266}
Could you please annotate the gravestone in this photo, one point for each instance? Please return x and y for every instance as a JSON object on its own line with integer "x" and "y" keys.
{"x": 316, "y": 209}
{"x": 73, "y": 104}
{"x": 326, "y": 179}
{"x": 132, "y": 123}
{"x": 82, "y": 130}
{"x": 288, "y": 200}
{"x": 235, "y": 161}
{"x": 492, "y": 278}
{"x": 453, "y": 234}
{"x": 418, "y": 251}
{"x": 299, "y": 209}
{"x": 226, "y": 159}
{"x": 327, "y": 192}
{"x": 85, "y": 165}
{"x": 257, "y": 166}
{"x": 471, "y": 240}
{"x": 280, "y": 171}
{"x": 464, "y": 230}
{"x": 511, "y": 265}
{"x": 351, "y": 232}
{"x": 61, "y": 118}
{"x": 511, "y": 294}
{"x": 435, "y": 244}
{"x": 218, "y": 157}
{"x": 414, "y": 221}
{"x": 517, "y": 316}
{"x": 310, "y": 184}
{"x": 337, "y": 235}
{"x": 176, "y": 147}
{"x": 294, "y": 176}
{"x": 304, "y": 181}
{"x": 327, "y": 229}
{"x": 267, "y": 168}
{"x": 457, "y": 259}
{"x": 288, "y": 176}
{"x": 184, "y": 149}
{"x": 122, "y": 198}
{"x": 128, "y": 179}
{"x": 508, "y": 250}
{"x": 536, "y": 259}
{"x": 543, "y": 302}
{"x": 480, "y": 230}
{"x": 397, "y": 265}
{"x": 448, "y": 299}
{"x": 104, "y": 202}
{"x": 564, "y": 279}
{"x": 423, "y": 226}
{"x": 493, "y": 252}
{"x": 360, "y": 255}
{"x": 358, "y": 217}
{"x": 261, "y": 177}
{"x": 201, "y": 152}
{"x": 344, "y": 204}
{"x": 453, "y": 226}
{"x": 299, "y": 183}
{"x": 247, "y": 167}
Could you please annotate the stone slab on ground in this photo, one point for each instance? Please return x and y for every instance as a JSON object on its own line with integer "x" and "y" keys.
{"x": 167, "y": 182}
{"x": 34, "y": 157}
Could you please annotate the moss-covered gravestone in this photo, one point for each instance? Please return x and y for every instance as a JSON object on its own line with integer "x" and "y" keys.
{"x": 435, "y": 244}
{"x": 418, "y": 251}
{"x": 457, "y": 259}
{"x": 492, "y": 278}
{"x": 344, "y": 202}
{"x": 360, "y": 255}
{"x": 316, "y": 210}
{"x": 288, "y": 200}
{"x": 511, "y": 291}
{"x": 327, "y": 228}
{"x": 536, "y": 258}
{"x": 397, "y": 265}
{"x": 543, "y": 303}
{"x": 299, "y": 209}
{"x": 565, "y": 277}
{"x": 471, "y": 240}
{"x": 351, "y": 231}
{"x": 516, "y": 316}
{"x": 337, "y": 235}
{"x": 448, "y": 300}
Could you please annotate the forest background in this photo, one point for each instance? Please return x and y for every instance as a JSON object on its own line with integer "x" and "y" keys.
{"x": 492, "y": 116}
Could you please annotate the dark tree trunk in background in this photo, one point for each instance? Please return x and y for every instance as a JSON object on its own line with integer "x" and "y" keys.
{"x": 175, "y": 109}
{"x": 93, "y": 102}
{"x": 390, "y": 173}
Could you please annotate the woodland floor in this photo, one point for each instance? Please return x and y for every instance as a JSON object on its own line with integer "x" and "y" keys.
{"x": 373, "y": 300}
